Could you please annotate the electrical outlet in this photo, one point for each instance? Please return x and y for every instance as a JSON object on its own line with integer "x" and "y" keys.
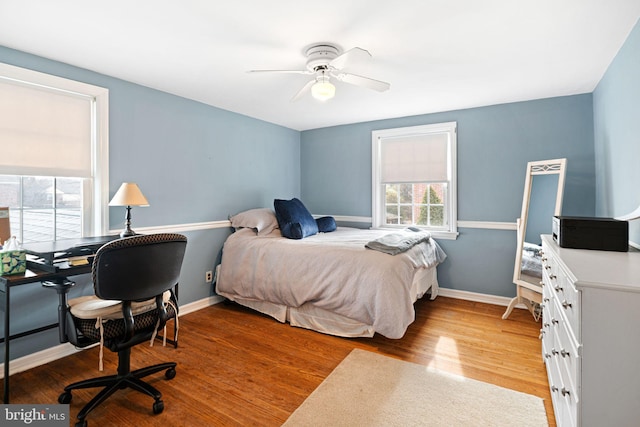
{"x": 208, "y": 276}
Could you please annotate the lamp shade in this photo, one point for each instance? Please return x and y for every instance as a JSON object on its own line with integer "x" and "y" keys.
{"x": 129, "y": 194}
{"x": 323, "y": 90}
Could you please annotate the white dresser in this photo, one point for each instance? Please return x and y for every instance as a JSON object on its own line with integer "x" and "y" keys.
{"x": 591, "y": 335}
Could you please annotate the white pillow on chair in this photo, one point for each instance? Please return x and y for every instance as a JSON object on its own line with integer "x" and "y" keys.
{"x": 92, "y": 307}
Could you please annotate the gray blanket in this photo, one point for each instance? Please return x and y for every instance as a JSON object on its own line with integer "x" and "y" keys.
{"x": 398, "y": 242}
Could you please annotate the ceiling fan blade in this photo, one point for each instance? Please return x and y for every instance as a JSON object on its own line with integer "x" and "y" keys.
{"x": 282, "y": 71}
{"x": 341, "y": 60}
{"x": 302, "y": 91}
{"x": 367, "y": 82}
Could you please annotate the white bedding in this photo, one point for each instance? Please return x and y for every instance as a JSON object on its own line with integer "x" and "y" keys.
{"x": 330, "y": 272}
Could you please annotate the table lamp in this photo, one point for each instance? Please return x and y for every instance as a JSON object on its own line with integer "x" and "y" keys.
{"x": 128, "y": 195}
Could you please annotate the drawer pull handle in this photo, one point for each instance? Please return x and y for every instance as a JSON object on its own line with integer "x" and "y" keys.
{"x": 548, "y": 267}
{"x": 564, "y": 353}
{"x": 566, "y": 304}
{"x": 542, "y": 332}
{"x": 558, "y": 288}
{"x": 541, "y": 283}
{"x": 546, "y": 300}
{"x": 553, "y": 277}
{"x": 554, "y": 351}
{"x": 554, "y": 388}
{"x": 545, "y": 325}
{"x": 543, "y": 259}
{"x": 565, "y": 392}
{"x": 547, "y": 356}
{"x": 555, "y": 321}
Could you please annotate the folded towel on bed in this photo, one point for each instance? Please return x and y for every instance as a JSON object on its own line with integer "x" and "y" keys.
{"x": 398, "y": 242}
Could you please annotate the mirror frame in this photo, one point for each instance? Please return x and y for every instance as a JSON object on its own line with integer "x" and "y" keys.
{"x": 527, "y": 293}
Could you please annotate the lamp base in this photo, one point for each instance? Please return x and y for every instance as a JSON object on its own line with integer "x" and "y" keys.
{"x": 127, "y": 233}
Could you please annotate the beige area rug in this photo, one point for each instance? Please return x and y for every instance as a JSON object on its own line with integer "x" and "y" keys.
{"x": 368, "y": 389}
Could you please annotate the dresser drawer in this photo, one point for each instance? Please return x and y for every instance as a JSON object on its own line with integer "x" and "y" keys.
{"x": 564, "y": 404}
{"x": 571, "y": 358}
{"x": 569, "y": 299}
{"x": 546, "y": 331}
{"x": 566, "y": 354}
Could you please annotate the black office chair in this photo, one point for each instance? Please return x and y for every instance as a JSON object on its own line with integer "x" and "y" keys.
{"x": 134, "y": 279}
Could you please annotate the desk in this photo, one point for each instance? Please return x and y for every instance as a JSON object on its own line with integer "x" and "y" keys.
{"x": 30, "y": 276}
{"x": 50, "y": 270}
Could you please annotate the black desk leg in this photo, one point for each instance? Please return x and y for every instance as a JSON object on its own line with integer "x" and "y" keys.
{"x": 62, "y": 286}
{"x": 7, "y": 352}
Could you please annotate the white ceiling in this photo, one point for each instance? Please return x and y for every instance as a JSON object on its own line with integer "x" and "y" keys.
{"x": 438, "y": 55}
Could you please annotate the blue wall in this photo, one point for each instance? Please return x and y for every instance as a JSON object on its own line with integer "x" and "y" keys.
{"x": 198, "y": 163}
{"x": 616, "y": 109}
{"x": 194, "y": 163}
{"x": 494, "y": 145}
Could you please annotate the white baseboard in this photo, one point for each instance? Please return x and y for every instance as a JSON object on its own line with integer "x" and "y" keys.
{"x": 477, "y": 297}
{"x": 200, "y": 304}
{"x": 42, "y": 357}
{"x": 63, "y": 350}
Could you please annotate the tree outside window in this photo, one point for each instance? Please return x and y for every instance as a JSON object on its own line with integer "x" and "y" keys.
{"x": 419, "y": 204}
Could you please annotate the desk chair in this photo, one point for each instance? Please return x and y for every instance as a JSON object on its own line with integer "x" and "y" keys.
{"x": 134, "y": 280}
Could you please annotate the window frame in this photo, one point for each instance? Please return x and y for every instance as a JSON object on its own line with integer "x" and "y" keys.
{"x": 95, "y": 211}
{"x": 378, "y": 209}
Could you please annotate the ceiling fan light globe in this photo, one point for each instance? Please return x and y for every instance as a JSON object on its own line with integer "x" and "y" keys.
{"x": 323, "y": 90}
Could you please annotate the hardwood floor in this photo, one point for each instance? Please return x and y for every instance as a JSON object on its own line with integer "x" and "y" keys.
{"x": 238, "y": 367}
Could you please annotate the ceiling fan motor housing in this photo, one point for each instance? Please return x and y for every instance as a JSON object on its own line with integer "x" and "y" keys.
{"x": 319, "y": 56}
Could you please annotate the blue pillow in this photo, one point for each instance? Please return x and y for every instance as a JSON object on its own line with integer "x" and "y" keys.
{"x": 294, "y": 219}
{"x": 326, "y": 224}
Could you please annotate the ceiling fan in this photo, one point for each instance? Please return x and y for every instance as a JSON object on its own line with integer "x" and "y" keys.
{"x": 325, "y": 61}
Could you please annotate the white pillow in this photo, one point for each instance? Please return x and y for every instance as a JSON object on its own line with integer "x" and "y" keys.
{"x": 92, "y": 307}
{"x": 263, "y": 220}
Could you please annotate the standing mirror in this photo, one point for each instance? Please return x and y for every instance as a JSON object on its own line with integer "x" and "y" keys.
{"x": 543, "y": 191}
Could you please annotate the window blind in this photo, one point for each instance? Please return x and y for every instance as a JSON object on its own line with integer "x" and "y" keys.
{"x": 44, "y": 131}
{"x": 410, "y": 159}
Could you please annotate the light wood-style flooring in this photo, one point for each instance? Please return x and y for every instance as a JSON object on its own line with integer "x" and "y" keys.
{"x": 238, "y": 367}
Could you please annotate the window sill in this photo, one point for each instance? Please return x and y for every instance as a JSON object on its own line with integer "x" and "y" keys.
{"x": 445, "y": 235}
{"x": 442, "y": 235}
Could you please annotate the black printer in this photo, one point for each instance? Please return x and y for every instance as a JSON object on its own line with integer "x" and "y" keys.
{"x": 602, "y": 234}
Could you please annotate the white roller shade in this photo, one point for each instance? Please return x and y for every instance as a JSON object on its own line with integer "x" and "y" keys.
{"x": 44, "y": 131}
{"x": 408, "y": 159}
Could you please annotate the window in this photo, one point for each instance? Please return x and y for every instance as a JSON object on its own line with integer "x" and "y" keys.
{"x": 414, "y": 178}
{"x": 43, "y": 208}
{"x": 54, "y": 164}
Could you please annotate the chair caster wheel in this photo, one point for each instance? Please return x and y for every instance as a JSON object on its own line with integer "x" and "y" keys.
{"x": 158, "y": 407}
{"x": 170, "y": 374}
{"x": 65, "y": 398}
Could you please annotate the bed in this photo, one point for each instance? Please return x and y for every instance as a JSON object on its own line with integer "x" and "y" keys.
{"x": 328, "y": 282}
